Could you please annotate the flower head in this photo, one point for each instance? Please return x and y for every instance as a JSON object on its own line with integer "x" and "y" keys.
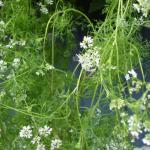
{"x": 146, "y": 140}
{"x": 142, "y": 6}
{"x": 16, "y": 63}
{"x": 1, "y": 4}
{"x": 56, "y": 143}
{"x": 36, "y": 140}
{"x": 127, "y": 77}
{"x": 3, "y": 66}
{"x": 45, "y": 131}
{"x": 49, "y": 2}
{"x": 133, "y": 73}
{"x": 43, "y": 8}
{"x": 26, "y": 132}
{"x": 89, "y": 60}
{"x": 49, "y": 67}
{"x": 137, "y": 7}
{"x": 40, "y": 147}
{"x": 87, "y": 42}
{"x": 135, "y": 126}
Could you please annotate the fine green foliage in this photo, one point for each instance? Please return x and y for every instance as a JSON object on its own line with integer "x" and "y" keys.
{"x": 44, "y": 105}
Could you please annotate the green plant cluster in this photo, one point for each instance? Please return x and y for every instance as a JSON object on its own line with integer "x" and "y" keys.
{"x": 41, "y": 99}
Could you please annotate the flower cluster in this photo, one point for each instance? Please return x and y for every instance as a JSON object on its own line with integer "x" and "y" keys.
{"x": 1, "y": 3}
{"x": 13, "y": 43}
{"x": 43, "y": 68}
{"x": 142, "y": 6}
{"x": 117, "y": 104}
{"x": 49, "y": 2}
{"x": 146, "y": 139}
{"x": 136, "y": 84}
{"x": 38, "y": 140}
{"x": 87, "y": 42}
{"x": 45, "y": 131}
{"x": 3, "y": 68}
{"x": 26, "y": 132}
{"x": 130, "y": 74}
{"x": 55, "y": 144}
{"x": 116, "y": 145}
{"x": 135, "y": 127}
{"x": 40, "y": 146}
{"x": 145, "y": 102}
{"x": 43, "y": 7}
{"x": 16, "y": 63}
{"x": 89, "y": 60}
{"x": 6, "y": 70}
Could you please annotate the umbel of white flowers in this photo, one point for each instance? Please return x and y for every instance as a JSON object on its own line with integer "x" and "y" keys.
{"x": 146, "y": 139}
{"x": 130, "y": 74}
{"x": 135, "y": 127}
{"x": 1, "y": 4}
{"x": 26, "y": 132}
{"x": 142, "y": 6}
{"x": 87, "y": 42}
{"x": 91, "y": 58}
{"x": 55, "y": 144}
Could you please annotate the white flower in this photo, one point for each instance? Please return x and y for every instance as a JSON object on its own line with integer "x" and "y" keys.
{"x": 44, "y": 10}
{"x": 148, "y": 96}
{"x": 21, "y": 42}
{"x": 87, "y": 42}
{"x": 2, "y": 23}
{"x": 146, "y": 140}
{"x": 36, "y": 140}
{"x": 143, "y": 6}
{"x": 49, "y": 67}
{"x": 133, "y": 73}
{"x": 3, "y": 66}
{"x": 40, "y": 72}
{"x": 135, "y": 126}
{"x": 1, "y": 4}
{"x": 11, "y": 44}
{"x": 45, "y": 131}
{"x": 26, "y": 132}
{"x": 89, "y": 60}
{"x": 135, "y": 134}
{"x": 137, "y": 7}
{"x": 16, "y": 63}
{"x": 56, "y": 143}
{"x": 49, "y": 2}
{"x": 127, "y": 77}
{"x": 40, "y": 147}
